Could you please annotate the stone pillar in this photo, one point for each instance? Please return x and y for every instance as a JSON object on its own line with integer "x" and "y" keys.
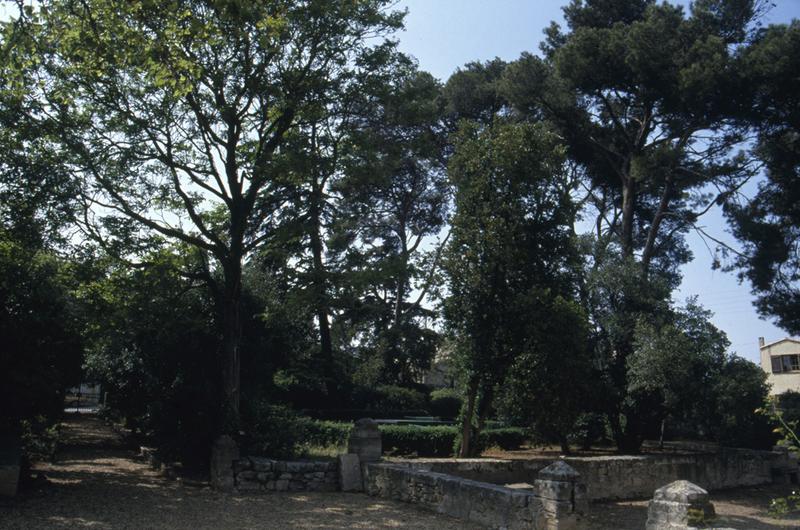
{"x": 563, "y": 496}
{"x": 10, "y": 455}
{"x": 224, "y": 453}
{"x": 365, "y": 441}
{"x": 350, "y": 476}
{"x": 680, "y": 505}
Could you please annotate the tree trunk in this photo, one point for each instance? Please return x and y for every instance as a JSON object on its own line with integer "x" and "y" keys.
{"x": 485, "y": 404}
{"x": 320, "y": 288}
{"x": 628, "y": 209}
{"x": 231, "y": 340}
{"x": 466, "y": 419}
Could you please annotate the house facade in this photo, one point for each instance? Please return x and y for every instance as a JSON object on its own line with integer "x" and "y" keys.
{"x": 781, "y": 361}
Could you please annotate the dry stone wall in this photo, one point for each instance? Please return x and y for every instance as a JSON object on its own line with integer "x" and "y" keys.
{"x": 556, "y": 502}
{"x": 263, "y": 474}
{"x": 626, "y": 477}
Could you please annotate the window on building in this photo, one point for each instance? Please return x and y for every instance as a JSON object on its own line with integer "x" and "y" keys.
{"x": 776, "y": 365}
{"x": 785, "y": 363}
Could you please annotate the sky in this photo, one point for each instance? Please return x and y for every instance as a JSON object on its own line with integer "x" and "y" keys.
{"x": 446, "y": 34}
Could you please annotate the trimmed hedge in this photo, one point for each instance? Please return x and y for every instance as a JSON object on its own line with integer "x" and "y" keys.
{"x": 408, "y": 440}
{"x": 439, "y": 440}
{"x": 280, "y": 433}
{"x": 446, "y": 403}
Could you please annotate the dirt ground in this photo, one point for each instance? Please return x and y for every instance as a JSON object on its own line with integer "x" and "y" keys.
{"x": 95, "y": 482}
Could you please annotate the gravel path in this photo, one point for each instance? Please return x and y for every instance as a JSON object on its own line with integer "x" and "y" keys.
{"x": 97, "y": 483}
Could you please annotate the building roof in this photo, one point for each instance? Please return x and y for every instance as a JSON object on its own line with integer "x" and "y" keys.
{"x": 773, "y": 343}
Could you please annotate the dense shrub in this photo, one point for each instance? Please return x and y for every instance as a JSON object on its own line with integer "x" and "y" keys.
{"x": 273, "y": 430}
{"x": 391, "y": 397}
{"x": 446, "y": 403}
{"x": 326, "y": 433}
{"x": 506, "y": 438}
{"x": 418, "y": 440}
{"x": 590, "y": 428}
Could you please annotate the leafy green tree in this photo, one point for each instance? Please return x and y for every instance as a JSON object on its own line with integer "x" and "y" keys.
{"x": 174, "y": 113}
{"x": 675, "y": 365}
{"x": 548, "y": 383}
{"x": 394, "y": 198}
{"x": 648, "y": 101}
{"x": 510, "y": 251}
{"x": 42, "y": 349}
{"x": 768, "y": 225}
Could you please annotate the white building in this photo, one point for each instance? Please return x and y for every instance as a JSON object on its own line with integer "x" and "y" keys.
{"x": 781, "y": 361}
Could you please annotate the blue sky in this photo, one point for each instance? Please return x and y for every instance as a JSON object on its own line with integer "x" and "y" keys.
{"x": 445, "y": 34}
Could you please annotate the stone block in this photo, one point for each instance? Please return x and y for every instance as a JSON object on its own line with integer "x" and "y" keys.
{"x": 224, "y": 453}
{"x": 679, "y": 505}
{"x": 9, "y": 479}
{"x": 281, "y": 485}
{"x": 248, "y": 485}
{"x": 262, "y": 464}
{"x": 365, "y": 440}
{"x": 350, "y": 478}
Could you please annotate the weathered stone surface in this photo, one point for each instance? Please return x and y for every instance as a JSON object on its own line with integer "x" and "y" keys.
{"x": 257, "y": 473}
{"x": 680, "y": 505}
{"x": 487, "y": 504}
{"x": 560, "y": 471}
{"x": 9, "y": 479}
{"x": 224, "y": 453}
{"x": 262, "y": 464}
{"x": 365, "y": 440}
{"x": 350, "y": 473}
{"x": 625, "y": 476}
{"x": 681, "y": 491}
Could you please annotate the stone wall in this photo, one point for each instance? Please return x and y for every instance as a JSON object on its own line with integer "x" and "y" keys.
{"x": 555, "y": 503}
{"x": 625, "y": 477}
{"x": 263, "y": 474}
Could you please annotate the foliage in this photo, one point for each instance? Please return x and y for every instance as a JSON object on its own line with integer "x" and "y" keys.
{"x": 390, "y": 397}
{"x": 176, "y": 115}
{"x": 510, "y": 252}
{"x": 42, "y": 347}
{"x": 648, "y": 100}
{"x": 506, "y": 438}
{"x": 39, "y": 439}
{"x": 767, "y": 223}
{"x": 272, "y": 430}
{"x": 446, "y": 402}
{"x": 417, "y": 440}
{"x": 151, "y": 344}
{"x": 554, "y": 357}
{"x": 589, "y": 428}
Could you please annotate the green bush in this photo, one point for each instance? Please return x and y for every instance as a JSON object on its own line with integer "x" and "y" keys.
{"x": 391, "y": 397}
{"x": 274, "y": 430}
{"x": 446, "y": 403}
{"x": 589, "y": 429}
{"x": 417, "y": 440}
{"x": 506, "y": 438}
{"x": 327, "y": 433}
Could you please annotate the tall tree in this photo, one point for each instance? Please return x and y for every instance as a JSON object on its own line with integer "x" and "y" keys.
{"x": 174, "y": 112}
{"x": 510, "y": 252}
{"x": 648, "y": 101}
{"x": 394, "y": 200}
{"x": 768, "y": 224}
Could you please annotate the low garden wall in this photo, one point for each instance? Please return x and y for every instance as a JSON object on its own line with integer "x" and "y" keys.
{"x": 555, "y": 502}
{"x": 626, "y": 477}
{"x": 256, "y": 474}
